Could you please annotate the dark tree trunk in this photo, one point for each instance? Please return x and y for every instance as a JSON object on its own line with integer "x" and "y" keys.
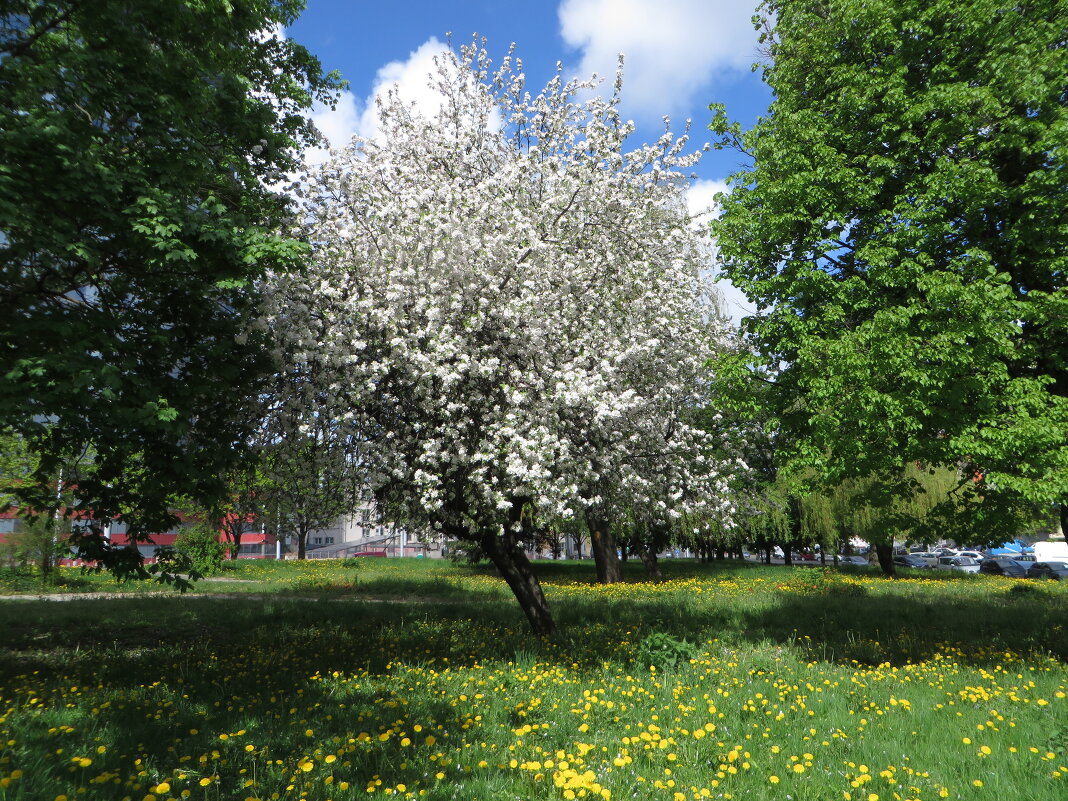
{"x": 603, "y": 545}
{"x": 623, "y": 552}
{"x": 886, "y": 559}
{"x": 302, "y": 545}
{"x": 721, "y": 554}
{"x": 767, "y": 555}
{"x": 1064, "y": 521}
{"x": 234, "y": 535}
{"x": 514, "y": 567}
{"x": 787, "y": 554}
{"x": 652, "y": 564}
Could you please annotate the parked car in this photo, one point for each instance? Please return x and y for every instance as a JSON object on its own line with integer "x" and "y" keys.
{"x": 856, "y": 561}
{"x": 931, "y": 559}
{"x": 806, "y": 556}
{"x": 964, "y": 564}
{"x": 912, "y": 560}
{"x": 1048, "y": 570}
{"x": 1003, "y": 566}
{"x": 977, "y": 555}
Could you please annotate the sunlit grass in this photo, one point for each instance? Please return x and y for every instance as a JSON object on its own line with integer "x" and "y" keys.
{"x": 417, "y": 679}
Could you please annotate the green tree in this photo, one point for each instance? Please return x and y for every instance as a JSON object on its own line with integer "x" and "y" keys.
{"x": 246, "y": 501}
{"x": 139, "y": 141}
{"x": 198, "y": 549}
{"x": 903, "y": 232}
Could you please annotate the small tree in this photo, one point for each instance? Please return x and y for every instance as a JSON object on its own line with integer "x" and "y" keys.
{"x": 199, "y": 545}
{"x": 309, "y": 480}
{"x": 504, "y": 313}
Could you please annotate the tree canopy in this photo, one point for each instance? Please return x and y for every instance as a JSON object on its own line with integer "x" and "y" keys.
{"x": 505, "y": 306}
{"x": 904, "y": 233}
{"x": 139, "y": 140}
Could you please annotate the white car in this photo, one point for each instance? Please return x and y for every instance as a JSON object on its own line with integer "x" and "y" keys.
{"x": 965, "y": 564}
{"x": 977, "y": 555}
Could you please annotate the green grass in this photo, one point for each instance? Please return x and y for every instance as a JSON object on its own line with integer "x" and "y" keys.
{"x": 417, "y": 679}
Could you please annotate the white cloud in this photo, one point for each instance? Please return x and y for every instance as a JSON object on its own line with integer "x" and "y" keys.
{"x": 699, "y": 199}
{"x": 700, "y": 204}
{"x": 337, "y": 124}
{"x": 356, "y": 117}
{"x": 673, "y": 48}
{"x": 411, "y": 79}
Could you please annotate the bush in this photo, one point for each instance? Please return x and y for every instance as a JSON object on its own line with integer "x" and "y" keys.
{"x": 200, "y": 545}
{"x": 664, "y": 651}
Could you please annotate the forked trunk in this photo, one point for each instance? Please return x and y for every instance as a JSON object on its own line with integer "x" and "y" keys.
{"x": 516, "y": 570}
{"x": 886, "y": 559}
{"x": 603, "y": 544}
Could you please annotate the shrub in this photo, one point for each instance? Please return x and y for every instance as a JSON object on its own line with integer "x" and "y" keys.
{"x": 200, "y": 545}
{"x": 664, "y": 651}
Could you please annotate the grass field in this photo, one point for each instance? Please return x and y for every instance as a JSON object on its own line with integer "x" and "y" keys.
{"x": 417, "y": 679}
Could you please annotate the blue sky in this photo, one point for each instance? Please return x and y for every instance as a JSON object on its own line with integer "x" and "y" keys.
{"x": 680, "y": 55}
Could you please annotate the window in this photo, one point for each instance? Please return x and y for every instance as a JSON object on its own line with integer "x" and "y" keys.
{"x": 329, "y": 540}
{"x": 7, "y": 525}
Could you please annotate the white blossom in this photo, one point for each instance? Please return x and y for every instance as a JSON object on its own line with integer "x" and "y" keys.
{"x": 504, "y": 305}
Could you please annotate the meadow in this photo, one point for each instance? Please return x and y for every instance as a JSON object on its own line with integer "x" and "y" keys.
{"x": 417, "y": 679}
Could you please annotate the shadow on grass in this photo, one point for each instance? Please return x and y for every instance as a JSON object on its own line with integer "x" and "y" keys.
{"x": 175, "y": 673}
{"x": 816, "y": 611}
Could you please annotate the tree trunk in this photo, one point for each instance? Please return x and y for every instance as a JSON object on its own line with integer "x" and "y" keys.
{"x": 787, "y": 554}
{"x": 515, "y": 569}
{"x": 302, "y": 545}
{"x": 1064, "y": 521}
{"x": 623, "y": 552}
{"x": 767, "y": 555}
{"x": 652, "y": 564}
{"x": 603, "y": 545}
{"x": 235, "y": 533}
{"x": 886, "y": 559}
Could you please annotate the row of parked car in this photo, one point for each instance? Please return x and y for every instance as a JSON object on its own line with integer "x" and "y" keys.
{"x": 976, "y": 562}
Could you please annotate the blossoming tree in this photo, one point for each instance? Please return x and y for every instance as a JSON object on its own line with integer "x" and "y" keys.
{"x": 507, "y": 311}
